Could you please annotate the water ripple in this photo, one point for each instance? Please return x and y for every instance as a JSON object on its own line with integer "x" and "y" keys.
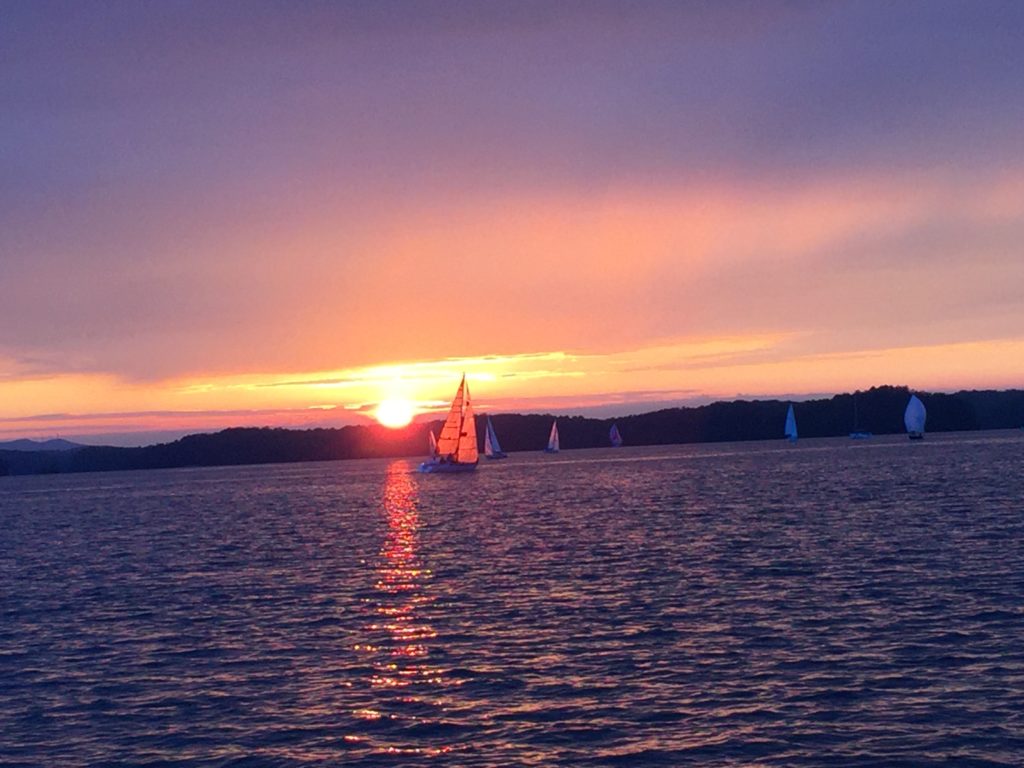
{"x": 732, "y": 605}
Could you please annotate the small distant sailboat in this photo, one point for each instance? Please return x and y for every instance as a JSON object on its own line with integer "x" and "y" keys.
{"x": 791, "y": 425}
{"x": 433, "y": 443}
{"x": 492, "y": 449}
{"x": 553, "y": 439}
{"x": 857, "y": 433}
{"x": 914, "y": 417}
{"x": 456, "y": 449}
{"x": 614, "y": 436}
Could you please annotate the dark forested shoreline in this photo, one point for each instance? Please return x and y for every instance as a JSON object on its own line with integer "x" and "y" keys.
{"x": 878, "y": 410}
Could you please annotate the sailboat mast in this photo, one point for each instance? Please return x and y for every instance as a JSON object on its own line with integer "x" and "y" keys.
{"x": 462, "y": 415}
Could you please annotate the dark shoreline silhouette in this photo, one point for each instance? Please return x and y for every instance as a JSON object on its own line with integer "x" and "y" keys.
{"x": 878, "y": 410}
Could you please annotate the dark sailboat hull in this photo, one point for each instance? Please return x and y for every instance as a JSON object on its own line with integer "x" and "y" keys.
{"x": 446, "y": 467}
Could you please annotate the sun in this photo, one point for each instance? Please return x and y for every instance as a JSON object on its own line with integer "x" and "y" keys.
{"x": 395, "y": 412}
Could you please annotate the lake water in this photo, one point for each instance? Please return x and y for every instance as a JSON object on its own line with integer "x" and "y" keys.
{"x": 830, "y": 603}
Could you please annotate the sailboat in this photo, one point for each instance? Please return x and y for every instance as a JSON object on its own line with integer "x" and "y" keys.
{"x": 433, "y": 443}
{"x": 614, "y": 436}
{"x": 492, "y": 450}
{"x": 553, "y": 439}
{"x": 790, "y": 425}
{"x": 857, "y": 433}
{"x": 456, "y": 447}
{"x": 913, "y": 418}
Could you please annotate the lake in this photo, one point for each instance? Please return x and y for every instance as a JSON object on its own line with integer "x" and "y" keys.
{"x": 836, "y": 602}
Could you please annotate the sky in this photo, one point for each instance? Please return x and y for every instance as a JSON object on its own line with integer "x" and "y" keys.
{"x": 277, "y": 213}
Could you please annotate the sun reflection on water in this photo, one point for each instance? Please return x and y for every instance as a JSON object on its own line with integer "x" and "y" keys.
{"x": 407, "y": 688}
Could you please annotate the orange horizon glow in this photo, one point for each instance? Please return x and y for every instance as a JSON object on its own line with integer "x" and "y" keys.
{"x": 579, "y": 217}
{"x": 629, "y": 381}
{"x": 599, "y": 349}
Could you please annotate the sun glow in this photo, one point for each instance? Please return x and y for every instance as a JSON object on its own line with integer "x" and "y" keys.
{"x": 395, "y": 412}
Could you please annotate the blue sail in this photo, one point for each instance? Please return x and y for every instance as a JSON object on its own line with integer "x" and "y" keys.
{"x": 791, "y": 425}
{"x": 614, "y": 436}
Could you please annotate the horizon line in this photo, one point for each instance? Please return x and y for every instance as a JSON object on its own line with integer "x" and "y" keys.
{"x": 600, "y": 411}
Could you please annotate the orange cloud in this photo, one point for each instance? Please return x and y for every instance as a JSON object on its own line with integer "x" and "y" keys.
{"x": 710, "y": 288}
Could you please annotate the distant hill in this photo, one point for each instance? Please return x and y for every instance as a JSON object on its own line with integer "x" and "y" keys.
{"x": 878, "y": 410}
{"x": 39, "y": 445}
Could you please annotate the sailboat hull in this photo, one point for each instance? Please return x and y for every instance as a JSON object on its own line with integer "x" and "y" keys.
{"x": 916, "y": 435}
{"x": 498, "y": 455}
{"x": 445, "y": 467}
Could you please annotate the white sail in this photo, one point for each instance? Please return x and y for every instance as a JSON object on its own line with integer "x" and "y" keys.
{"x": 553, "y": 438}
{"x": 492, "y": 448}
{"x": 791, "y": 424}
{"x": 614, "y": 436}
{"x": 433, "y": 443}
{"x": 914, "y": 416}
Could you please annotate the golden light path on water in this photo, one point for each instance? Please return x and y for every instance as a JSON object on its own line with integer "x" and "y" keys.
{"x": 399, "y": 651}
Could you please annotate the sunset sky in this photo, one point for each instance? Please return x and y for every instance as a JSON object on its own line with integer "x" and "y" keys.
{"x": 272, "y": 213}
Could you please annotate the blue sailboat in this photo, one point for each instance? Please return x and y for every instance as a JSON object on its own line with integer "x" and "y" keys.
{"x": 614, "y": 436}
{"x": 791, "y": 434}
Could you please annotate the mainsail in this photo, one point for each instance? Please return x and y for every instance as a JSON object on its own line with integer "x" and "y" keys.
{"x": 791, "y": 424}
{"x": 458, "y": 435}
{"x": 614, "y": 436}
{"x": 914, "y": 416}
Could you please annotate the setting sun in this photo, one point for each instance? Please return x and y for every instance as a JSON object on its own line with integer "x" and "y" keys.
{"x": 395, "y": 412}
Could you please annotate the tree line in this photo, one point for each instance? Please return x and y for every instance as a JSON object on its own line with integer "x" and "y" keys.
{"x": 878, "y": 410}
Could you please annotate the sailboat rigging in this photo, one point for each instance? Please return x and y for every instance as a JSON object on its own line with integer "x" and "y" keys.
{"x": 857, "y": 433}
{"x": 456, "y": 447}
